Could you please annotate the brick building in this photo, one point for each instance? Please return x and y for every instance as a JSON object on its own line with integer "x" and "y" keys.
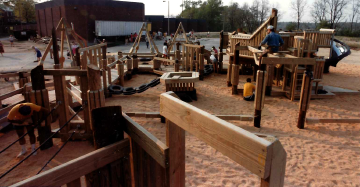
{"x": 83, "y": 13}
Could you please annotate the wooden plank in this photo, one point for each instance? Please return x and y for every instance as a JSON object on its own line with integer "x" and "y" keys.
{"x": 78, "y": 167}
{"x": 175, "y": 140}
{"x": 238, "y": 144}
{"x": 329, "y": 120}
{"x": 92, "y": 47}
{"x": 65, "y": 72}
{"x": 154, "y": 147}
{"x": 74, "y": 95}
{"x": 236, "y": 117}
{"x": 12, "y": 93}
{"x": 7, "y": 75}
{"x": 277, "y": 60}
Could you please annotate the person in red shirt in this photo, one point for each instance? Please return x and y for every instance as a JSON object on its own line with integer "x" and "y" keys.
{"x": 131, "y": 37}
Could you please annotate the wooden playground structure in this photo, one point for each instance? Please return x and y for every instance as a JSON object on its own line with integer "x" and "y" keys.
{"x": 126, "y": 153}
{"x": 126, "y": 161}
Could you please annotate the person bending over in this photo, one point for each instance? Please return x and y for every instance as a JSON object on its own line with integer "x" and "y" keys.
{"x": 273, "y": 40}
{"x": 249, "y": 90}
{"x": 21, "y": 117}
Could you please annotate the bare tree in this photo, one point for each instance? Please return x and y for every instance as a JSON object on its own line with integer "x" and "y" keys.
{"x": 319, "y": 10}
{"x": 299, "y": 7}
{"x": 264, "y": 10}
{"x": 336, "y": 10}
{"x": 355, "y": 10}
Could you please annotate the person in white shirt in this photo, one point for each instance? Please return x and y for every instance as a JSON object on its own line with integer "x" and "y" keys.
{"x": 165, "y": 50}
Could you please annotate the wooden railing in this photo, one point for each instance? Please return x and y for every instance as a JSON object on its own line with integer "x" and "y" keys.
{"x": 263, "y": 157}
{"x": 152, "y": 162}
{"x": 253, "y": 39}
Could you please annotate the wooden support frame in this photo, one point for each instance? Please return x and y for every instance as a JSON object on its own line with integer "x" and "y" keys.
{"x": 78, "y": 167}
{"x": 192, "y": 120}
{"x": 138, "y": 38}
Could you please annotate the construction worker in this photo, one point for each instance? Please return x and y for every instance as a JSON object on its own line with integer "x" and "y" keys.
{"x": 273, "y": 40}
{"x": 21, "y": 117}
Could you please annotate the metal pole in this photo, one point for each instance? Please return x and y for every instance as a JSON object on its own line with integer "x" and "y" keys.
{"x": 168, "y": 17}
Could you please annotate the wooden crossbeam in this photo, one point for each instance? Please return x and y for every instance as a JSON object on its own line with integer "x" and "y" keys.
{"x": 238, "y": 144}
{"x": 78, "y": 167}
{"x": 65, "y": 72}
{"x": 154, "y": 147}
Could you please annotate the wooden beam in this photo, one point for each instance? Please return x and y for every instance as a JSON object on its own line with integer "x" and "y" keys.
{"x": 154, "y": 147}
{"x": 280, "y": 60}
{"x": 193, "y": 45}
{"x": 329, "y": 120}
{"x": 65, "y": 72}
{"x": 74, "y": 95}
{"x": 78, "y": 167}
{"x": 236, "y": 117}
{"x": 7, "y": 75}
{"x": 242, "y": 146}
{"x": 92, "y": 47}
{"x": 12, "y": 93}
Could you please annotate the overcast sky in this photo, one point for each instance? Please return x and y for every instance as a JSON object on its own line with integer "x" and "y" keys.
{"x": 158, "y": 7}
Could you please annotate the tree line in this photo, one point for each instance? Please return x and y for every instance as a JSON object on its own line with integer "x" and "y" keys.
{"x": 248, "y": 16}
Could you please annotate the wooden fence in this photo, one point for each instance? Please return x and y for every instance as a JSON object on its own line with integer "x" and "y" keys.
{"x": 143, "y": 160}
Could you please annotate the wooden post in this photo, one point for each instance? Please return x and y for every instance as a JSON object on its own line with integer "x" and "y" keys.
{"x": 235, "y": 73}
{"x": 221, "y": 54}
{"x": 305, "y": 98}
{"x": 156, "y": 64}
{"x": 120, "y": 68}
{"x": 40, "y": 96}
{"x": 235, "y": 79}
{"x": 22, "y": 79}
{"x": 259, "y": 96}
{"x": 184, "y": 58}
{"x": 228, "y": 78}
{"x": 270, "y": 71}
{"x": 135, "y": 63}
{"x": 177, "y": 65}
{"x": 175, "y": 140}
{"x": 95, "y": 93}
{"x": 108, "y": 129}
{"x": 201, "y": 67}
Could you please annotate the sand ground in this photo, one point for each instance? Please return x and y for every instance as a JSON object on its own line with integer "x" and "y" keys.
{"x": 320, "y": 155}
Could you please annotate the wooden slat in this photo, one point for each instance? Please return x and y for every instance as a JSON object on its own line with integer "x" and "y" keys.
{"x": 12, "y": 93}
{"x": 236, "y": 117}
{"x": 74, "y": 95}
{"x": 78, "y": 167}
{"x": 65, "y": 72}
{"x": 154, "y": 147}
{"x": 238, "y": 144}
{"x": 92, "y": 47}
{"x": 175, "y": 139}
{"x": 277, "y": 60}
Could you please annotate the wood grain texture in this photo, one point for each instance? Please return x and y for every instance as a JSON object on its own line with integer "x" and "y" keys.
{"x": 78, "y": 167}
{"x": 238, "y": 144}
{"x": 153, "y": 146}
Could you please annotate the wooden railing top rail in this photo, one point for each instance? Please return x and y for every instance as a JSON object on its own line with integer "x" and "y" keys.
{"x": 78, "y": 167}
{"x": 92, "y": 47}
{"x": 250, "y": 151}
{"x": 7, "y": 75}
{"x": 65, "y": 72}
{"x": 262, "y": 26}
{"x": 12, "y": 93}
{"x": 153, "y": 146}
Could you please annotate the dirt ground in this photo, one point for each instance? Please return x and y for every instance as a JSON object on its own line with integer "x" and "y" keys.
{"x": 320, "y": 155}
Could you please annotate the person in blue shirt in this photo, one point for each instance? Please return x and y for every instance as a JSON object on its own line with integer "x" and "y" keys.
{"x": 38, "y": 53}
{"x": 273, "y": 40}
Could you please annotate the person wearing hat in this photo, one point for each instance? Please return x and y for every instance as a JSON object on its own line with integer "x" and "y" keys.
{"x": 21, "y": 117}
{"x": 273, "y": 40}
